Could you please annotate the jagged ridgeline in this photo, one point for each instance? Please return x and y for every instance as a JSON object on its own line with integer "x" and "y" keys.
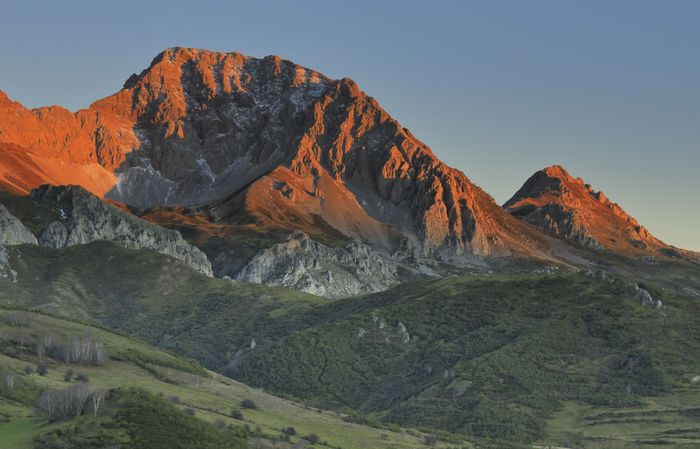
{"x": 292, "y": 147}
{"x": 395, "y": 292}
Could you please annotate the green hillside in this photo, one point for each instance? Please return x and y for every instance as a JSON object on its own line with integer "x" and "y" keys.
{"x": 568, "y": 359}
{"x": 155, "y": 400}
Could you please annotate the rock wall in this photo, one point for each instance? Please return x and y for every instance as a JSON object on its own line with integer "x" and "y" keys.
{"x": 85, "y": 218}
{"x": 303, "y": 264}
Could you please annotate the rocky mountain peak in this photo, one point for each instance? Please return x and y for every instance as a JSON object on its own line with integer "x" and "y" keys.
{"x": 570, "y": 208}
{"x": 198, "y": 126}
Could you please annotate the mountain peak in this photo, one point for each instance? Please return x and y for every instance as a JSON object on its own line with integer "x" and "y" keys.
{"x": 556, "y": 171}
{"x": 568, "y": 207}
{"x": 197, "y": 127}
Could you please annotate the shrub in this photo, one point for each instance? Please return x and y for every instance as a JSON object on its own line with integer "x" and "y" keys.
{"x": 68, "y": 376}
{"x": 41, "y": 369}
{"x": 28, "y": 370}
{"x": 190, "y": 411}
{"x": 289, "y": 431}
{"x": 82, "y": 377}
{"x": 312, "y": 438}
{"x": 248, "y": 403}
{"x": 237, "y": 414}
{"x": 10, "y": 351}
{"x": 430, "y": 440}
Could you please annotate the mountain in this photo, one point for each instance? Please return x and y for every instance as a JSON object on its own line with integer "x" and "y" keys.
{"x": 284, "y": 142}
{"x": 548, "y": 322}
{"x": 569, "y": 208}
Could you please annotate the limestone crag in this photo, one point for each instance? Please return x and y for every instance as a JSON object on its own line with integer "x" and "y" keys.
{"x": 13, "y": 231}
{"x": 85, "y": 218}
{"x": 304, "y": 264}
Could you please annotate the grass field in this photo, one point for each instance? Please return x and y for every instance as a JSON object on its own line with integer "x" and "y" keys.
{"x": 667, "y": 421}
{"x": 17, "y": 425}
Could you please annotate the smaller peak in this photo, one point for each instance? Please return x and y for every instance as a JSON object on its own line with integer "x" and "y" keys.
{"x": 350, "y": 86}
{"x": 556, "y": 171}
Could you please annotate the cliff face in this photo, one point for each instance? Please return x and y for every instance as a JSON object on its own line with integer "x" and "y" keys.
{"x": 567, "y": 207}
{"x": 199, "y": 126}
{"x": 13, "y": 231}
{"x": 84, "y": 218}
{"x": 304, "y": 264}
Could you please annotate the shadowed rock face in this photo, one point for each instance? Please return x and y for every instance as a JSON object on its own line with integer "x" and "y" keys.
{"x": 85, "y": 218}
{"x": 199, "y": 126}
{"x": 568, "y": 208}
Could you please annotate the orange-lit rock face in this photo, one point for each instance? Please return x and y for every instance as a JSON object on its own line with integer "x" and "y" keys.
{"x": 84, "y": 137}
{"x": 198, "y": 126}
{"x": 21, "y": 171}
{"x": 567, "y": 207}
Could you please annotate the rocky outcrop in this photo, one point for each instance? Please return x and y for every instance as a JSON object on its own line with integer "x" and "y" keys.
{"x": 567, "y": 207}
{"x": 198, "y": 126}
{"x": 13, "y": 231}
{"x": 302, "y": 263}
{"x": 85, "y": 218}
{"x": 644, "y": 296}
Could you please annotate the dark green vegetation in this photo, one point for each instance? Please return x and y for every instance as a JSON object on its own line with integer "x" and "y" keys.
{"x": 490, "y": 358}
{"x": 567, "y": 359}
{"x": 152, "y": 399}
{"x": 140, "y": 420}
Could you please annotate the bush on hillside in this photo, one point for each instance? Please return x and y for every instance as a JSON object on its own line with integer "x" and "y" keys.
{"x": 248, "y": 403}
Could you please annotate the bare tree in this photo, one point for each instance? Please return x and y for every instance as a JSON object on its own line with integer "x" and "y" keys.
{"x": 20, "y": 319}
{"x": 64, "y": 403}
{"x": 10, "y": 380}
{"x": 83, "y": 350}
{"x": 40, "y": 351}
{"x": 97, "y": 399}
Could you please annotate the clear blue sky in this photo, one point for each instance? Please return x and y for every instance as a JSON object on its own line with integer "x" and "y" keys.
{"x": 609, "y": 89}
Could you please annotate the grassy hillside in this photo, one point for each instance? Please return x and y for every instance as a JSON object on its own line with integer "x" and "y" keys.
{"x": 146, "y": 294}
{"x": 490, "y": 357}
{"x": 552, "y": 359}
{"x": 156, "y": 400}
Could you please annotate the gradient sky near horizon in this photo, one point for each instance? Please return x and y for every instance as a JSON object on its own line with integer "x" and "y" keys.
{"x": 609, "y": 89}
